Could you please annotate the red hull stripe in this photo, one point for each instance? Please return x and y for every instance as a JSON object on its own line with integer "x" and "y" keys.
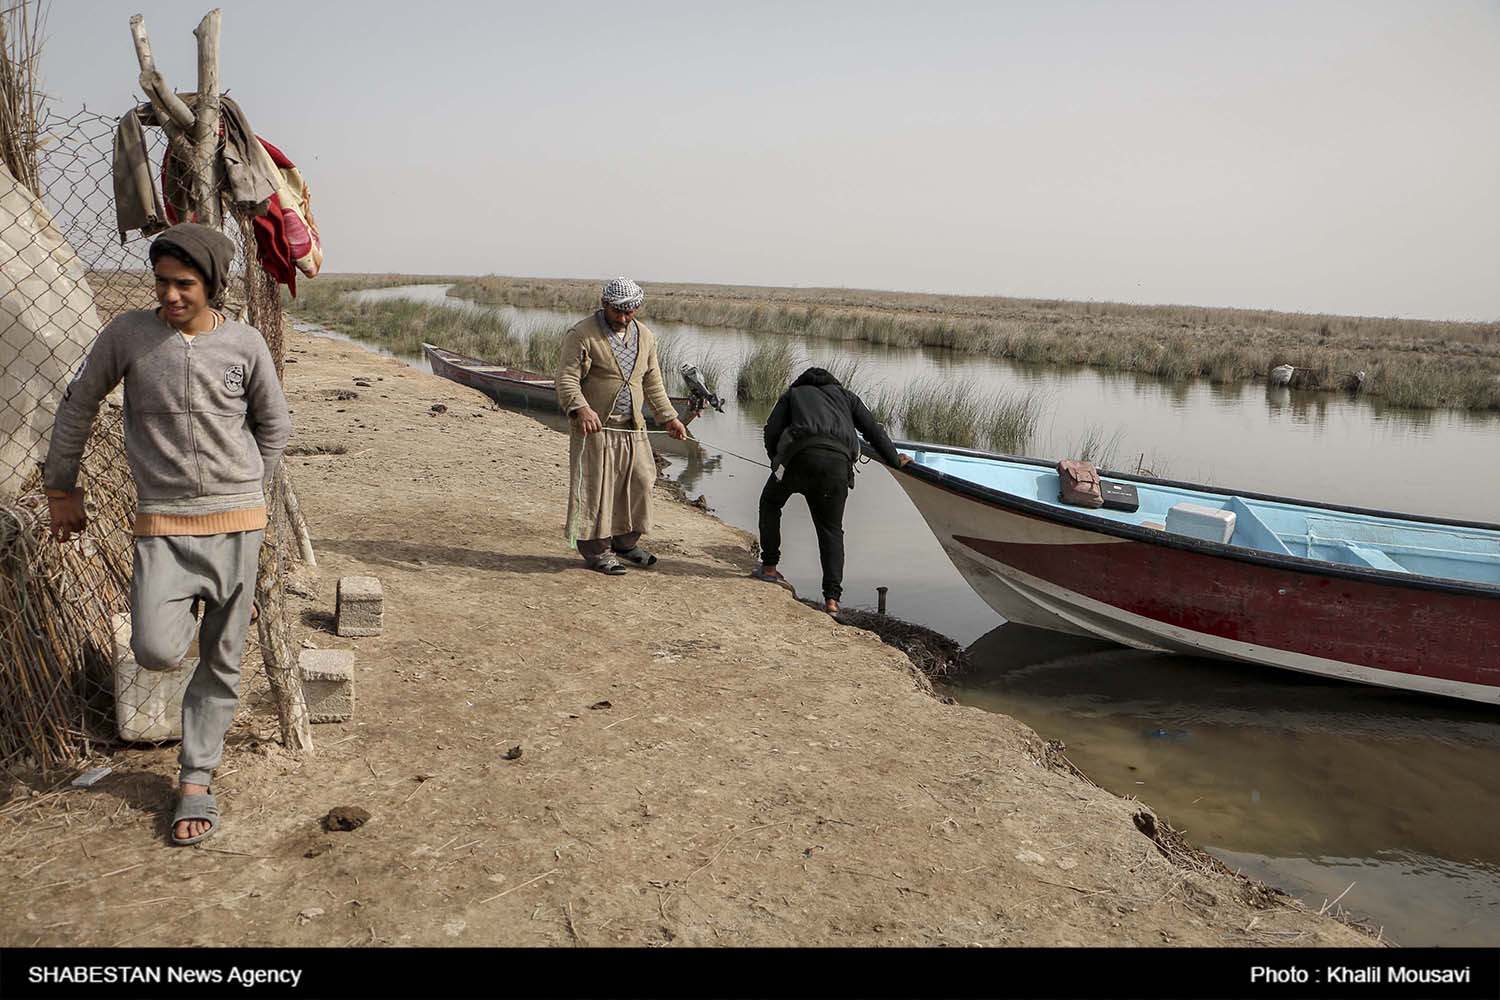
{"x": 1405, "y": 630}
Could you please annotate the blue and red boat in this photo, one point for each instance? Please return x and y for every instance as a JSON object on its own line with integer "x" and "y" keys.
{"x": 1371, "y": 596}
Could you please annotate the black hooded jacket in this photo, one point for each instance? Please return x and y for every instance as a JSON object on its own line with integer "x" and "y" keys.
{"x": 818, "y": 412}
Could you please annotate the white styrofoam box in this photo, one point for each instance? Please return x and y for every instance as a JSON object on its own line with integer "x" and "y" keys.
{"x": 148, "y": 703}
{"x": 1207, "y": 523}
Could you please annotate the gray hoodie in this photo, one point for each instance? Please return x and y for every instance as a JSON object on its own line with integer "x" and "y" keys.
{"x": 205, "y": 420}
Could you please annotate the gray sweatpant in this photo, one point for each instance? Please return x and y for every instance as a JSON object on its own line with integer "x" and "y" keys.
{"x": 171, "y": 570}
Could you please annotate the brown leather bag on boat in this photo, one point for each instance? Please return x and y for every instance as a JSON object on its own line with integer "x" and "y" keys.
{"x": 1078, "y": 484}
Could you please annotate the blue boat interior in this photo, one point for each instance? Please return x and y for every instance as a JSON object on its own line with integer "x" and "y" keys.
{"x": 1369, "y": 541}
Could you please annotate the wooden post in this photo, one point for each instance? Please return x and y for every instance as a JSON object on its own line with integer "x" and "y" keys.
{"x": 206, "y": 121}
{"x": 275, "y": 636}
{"x": 880, "y": 594}
{"x": 299, "y": 523}
{"x": 192, "y": 132}
{"x": 170, "y": 108}
{"x": 263, "y": 311}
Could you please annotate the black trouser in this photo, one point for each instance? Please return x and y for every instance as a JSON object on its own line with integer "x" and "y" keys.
{"x": 823, "y": 478}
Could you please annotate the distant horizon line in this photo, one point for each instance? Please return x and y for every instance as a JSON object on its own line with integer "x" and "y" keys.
{"x": 646, "y": 282}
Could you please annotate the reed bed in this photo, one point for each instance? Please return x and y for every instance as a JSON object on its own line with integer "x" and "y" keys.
{"x": 669, "y": 355}
{"x": 944, "y": 411}
{"x": 1423, "y": 363}
{"x": 1011, "y": 421}
{"x": 401, "y": 326}
{"x": 766, "y": 372}
{"x": 1096, "y": 445}
{"x": 714, "y": 371}
{"x": 884, "y": 406}
{"x": 847, "y": 370}
{"x": 543, "y": 352}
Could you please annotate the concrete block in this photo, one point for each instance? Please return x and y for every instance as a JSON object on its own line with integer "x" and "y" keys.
{"x": 148, "y": 703}
{"x": 359, "y": 606}
{"x": 328, "y": 684}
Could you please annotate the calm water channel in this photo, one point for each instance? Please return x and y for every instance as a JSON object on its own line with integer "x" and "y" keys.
{"x": 1314, "y": 786}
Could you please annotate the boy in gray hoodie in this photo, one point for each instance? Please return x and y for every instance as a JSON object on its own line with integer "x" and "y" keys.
{"x": 205, "y": 425}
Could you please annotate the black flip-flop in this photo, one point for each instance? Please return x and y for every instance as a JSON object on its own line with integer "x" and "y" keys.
{"x": 637, "y": 556}
{"x": 759, "y": 573}
{"x": 608, "y": 565}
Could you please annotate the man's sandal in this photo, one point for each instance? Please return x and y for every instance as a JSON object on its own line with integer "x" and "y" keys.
{"x": 760, "y": 572}
{"x": 190, "y": 807}
{"x": 608, "y": 565}
{"x": 638, "y": 556}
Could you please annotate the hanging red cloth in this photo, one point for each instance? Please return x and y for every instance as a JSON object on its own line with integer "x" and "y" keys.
{"x": 286, "y": 235}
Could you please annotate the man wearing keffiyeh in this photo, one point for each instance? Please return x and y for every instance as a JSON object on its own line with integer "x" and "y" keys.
{"x": 609, "y": 368}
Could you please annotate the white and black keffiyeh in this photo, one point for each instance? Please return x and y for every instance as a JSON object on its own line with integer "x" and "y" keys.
{"x": 624, "y": 294}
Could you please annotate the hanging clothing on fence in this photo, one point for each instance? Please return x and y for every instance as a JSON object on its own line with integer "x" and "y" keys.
{"x": 253, "y": 176}
{"x": 250, "y": 176}
{"x": 287, "y": 236}
{"x": 137, "y": 203}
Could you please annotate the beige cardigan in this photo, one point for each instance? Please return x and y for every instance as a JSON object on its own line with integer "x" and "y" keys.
{"x": 589, "y": 374}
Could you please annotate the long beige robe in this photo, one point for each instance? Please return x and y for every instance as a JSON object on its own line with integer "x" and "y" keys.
{"x": 611, "y": 472}
{"x": 610, "y": 489}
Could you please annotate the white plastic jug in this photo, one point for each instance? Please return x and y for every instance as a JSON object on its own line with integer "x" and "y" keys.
{"x": 148, "y": 703}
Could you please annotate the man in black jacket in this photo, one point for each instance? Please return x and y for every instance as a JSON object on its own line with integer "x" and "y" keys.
{"x": 812, "y": 437}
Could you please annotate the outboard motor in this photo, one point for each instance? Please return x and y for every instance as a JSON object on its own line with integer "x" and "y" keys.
{"x": 698, "y": 391}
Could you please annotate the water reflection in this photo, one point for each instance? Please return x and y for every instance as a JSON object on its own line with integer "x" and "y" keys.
{"x": 695, "y": 467}
{"x": 1227, "y": 393}
{"x": 1276, "y": 771}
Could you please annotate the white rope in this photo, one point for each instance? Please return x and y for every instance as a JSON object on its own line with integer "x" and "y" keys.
{"x": 577, "y": 485}
{"x": 709, "y": 444}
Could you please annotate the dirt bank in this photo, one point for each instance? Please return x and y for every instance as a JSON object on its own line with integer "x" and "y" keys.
{"x": 703, "y": 760}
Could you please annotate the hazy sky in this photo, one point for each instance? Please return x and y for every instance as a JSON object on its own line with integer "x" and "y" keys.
{"x": 1336, "y": 157}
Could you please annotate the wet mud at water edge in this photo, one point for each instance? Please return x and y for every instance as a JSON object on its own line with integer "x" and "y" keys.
{"x": 1380, "y": 800}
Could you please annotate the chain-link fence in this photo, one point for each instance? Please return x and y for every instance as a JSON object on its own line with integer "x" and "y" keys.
{"x": 67, "y": 684}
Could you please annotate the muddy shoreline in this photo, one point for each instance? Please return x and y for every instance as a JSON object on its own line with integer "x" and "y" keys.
{"x": 703, "y": 760}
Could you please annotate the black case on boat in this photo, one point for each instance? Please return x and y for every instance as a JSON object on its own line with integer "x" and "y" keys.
{"x": 1120, "y": 496}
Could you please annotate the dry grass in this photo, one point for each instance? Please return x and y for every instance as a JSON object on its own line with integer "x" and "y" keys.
{"x": 22, "y": 26}
{"x": 766, "y": 372}
{"x": 714, "y": 371}
{"x": 401, "y": 326}
{"x": 1097, "y": 446}
{"x": 56, "y": 605}
{"x": 544, "y": 349}
{"x": 941, "y": 411}
{"x": 945, "y": 411}
{"x": 1415, "y": 363}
